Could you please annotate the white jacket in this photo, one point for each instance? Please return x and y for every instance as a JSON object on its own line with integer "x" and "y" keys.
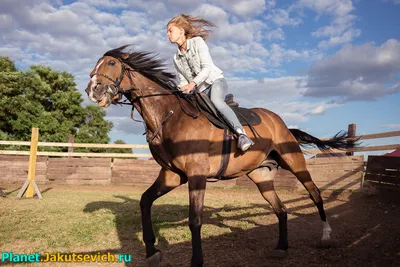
{"x": 196, "y": 65}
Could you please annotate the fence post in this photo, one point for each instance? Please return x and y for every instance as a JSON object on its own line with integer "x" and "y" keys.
{"x": 71, "y": 148}
{"x": 351, "y": 132}
{"x": 30, "y": 185}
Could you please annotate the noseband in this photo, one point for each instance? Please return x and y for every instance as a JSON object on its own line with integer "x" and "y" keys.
{"x": 116, "y": 83}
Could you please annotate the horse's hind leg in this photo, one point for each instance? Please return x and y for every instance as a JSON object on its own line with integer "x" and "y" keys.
{"x": 165, "y": 182}
{"x": 264, "y": 179}
{"x": 296, "y": 163}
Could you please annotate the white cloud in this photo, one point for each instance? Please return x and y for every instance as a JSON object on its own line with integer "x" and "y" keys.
{"x": 364, "y": 72}
{"x": 337, "y": 27}
{"x": 13, "y": 52}
{"x": 183, "y": 2}
{"x": 322, "y": 108}
{"x": 289, "y": 87}
{"x": 238, "y": 33}
{"x": 346, "y": 37}
{"x": 318, "y": 110}
{"x": 288, "y": 117}
{"x": 279, "y": 55}
{"x": 243, "y": 8}
{"x": 137, "y": 25}
{"x": 282, "y": 17}
{"x": 106, "y": 3}
{"x": 5, "y": 21}
{"x": 106, "y": 18}
{"x": 236, "y": 59}
{"x": 123, "y": 123}
{"x": 340, "y": 30}
{"x": 270, "y": 3}
{"x": 337, "y": 8}
{"x": 276, "y": 34}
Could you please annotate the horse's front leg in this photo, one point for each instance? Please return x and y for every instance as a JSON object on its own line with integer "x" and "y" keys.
{"x": 165, "y": 182}
{"x": 197, "y": 187}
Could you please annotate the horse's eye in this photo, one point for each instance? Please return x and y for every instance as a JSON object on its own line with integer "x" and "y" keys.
{"x": 111, "y": 62}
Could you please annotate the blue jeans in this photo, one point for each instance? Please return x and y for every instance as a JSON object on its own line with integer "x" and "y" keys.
{"x": 217, "y": 95}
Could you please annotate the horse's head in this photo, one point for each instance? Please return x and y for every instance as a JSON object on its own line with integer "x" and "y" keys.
{"x": 143, "y": 71}
{"x": 106, "y": 81}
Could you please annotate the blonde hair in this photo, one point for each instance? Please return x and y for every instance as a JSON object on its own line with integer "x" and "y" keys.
{"x": 193, "y": 26}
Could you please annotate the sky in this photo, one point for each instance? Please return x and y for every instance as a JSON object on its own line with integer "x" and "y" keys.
{"x": 319, "y": 64}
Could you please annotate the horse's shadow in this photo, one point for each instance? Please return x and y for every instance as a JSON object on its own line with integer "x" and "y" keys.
{"x": 354, "y": 230}
{"x": 165, "y": 216}
{"x": 168, "y": 216}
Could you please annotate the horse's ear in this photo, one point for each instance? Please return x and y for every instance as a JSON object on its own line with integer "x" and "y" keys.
{"x": 125, "y": 56}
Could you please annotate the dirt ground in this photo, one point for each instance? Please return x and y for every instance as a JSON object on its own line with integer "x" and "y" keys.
{"x": 366, "y": 232}
{"x": 365, "y": 224}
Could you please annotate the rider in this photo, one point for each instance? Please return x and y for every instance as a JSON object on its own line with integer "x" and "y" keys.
{"x": 196, "y": 69}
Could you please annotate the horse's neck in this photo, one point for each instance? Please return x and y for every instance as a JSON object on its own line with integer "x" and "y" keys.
{"x": 153, "y": 109}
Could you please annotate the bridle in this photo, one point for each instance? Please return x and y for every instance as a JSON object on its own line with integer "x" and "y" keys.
{"x": 115, "y": 88}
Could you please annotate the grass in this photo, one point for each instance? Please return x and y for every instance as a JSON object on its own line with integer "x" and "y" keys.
{"x": 71, "y": 217}
{"x": 58, "y": 222}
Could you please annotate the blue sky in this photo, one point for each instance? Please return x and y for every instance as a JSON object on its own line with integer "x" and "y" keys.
{"x": 319, "y": 64}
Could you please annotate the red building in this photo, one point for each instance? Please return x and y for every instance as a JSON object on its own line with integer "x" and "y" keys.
{"x": 395, "y": 153}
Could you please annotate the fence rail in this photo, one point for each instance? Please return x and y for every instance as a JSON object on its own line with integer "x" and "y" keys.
{"x": 148, "y": 155}
{"x": 357, "y": 149}
{"x": 25, "y": 143}
{"x": 78, "y": 154}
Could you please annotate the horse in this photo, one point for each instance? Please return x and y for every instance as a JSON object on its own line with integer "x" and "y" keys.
{"x": 188, "y": 146}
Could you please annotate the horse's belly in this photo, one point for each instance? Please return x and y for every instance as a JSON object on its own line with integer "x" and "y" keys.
{"x": 238, "y": 164}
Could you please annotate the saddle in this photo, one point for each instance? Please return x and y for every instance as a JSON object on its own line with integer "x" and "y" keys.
{"x": 246, "y": 116}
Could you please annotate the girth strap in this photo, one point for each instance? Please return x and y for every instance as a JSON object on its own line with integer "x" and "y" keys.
{"x": 226, "y": 152}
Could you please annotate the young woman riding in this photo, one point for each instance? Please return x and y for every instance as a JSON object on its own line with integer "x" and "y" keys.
{"x": 196, "y": 69}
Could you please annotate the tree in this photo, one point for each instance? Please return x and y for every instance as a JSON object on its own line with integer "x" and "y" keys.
{"x": 119, "y": 150}
{"x": 47, "y": 99}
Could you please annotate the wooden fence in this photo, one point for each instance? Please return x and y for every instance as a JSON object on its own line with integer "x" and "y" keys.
{"x": 383, "y": 170}
{"x": 110, "y": 168}
{"x": 328, "y": 173}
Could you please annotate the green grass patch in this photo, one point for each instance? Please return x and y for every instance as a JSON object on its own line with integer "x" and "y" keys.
{"x": 82, "y": 218}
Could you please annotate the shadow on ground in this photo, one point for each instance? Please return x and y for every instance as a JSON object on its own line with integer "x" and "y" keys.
{"x": 366, "y": 233}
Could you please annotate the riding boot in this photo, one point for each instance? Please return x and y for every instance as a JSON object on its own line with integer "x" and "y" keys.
{"x": 244, "y": 142}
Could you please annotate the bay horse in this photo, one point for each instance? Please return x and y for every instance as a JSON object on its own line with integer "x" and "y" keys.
{"x": 188, "y": 147}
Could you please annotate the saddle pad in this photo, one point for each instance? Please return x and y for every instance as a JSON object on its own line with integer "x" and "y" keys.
{"x": 246, "y": 116}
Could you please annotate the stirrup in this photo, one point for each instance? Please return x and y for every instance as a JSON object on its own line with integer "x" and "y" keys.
{"x": 244, "y": 142}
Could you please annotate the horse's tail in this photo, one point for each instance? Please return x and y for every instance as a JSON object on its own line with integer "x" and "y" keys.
{"x": 338, "y": 141}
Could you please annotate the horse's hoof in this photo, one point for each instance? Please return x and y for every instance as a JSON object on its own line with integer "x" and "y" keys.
{"x": 154, "y": 260}
{"x": 279, "y": 253}
{"x": 327, "y": 243}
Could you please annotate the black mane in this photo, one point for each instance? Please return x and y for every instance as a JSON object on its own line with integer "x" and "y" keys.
{"x": 148, "y": 65}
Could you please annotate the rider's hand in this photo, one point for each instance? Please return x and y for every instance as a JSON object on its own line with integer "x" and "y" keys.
{"x": 189, "y": 87}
